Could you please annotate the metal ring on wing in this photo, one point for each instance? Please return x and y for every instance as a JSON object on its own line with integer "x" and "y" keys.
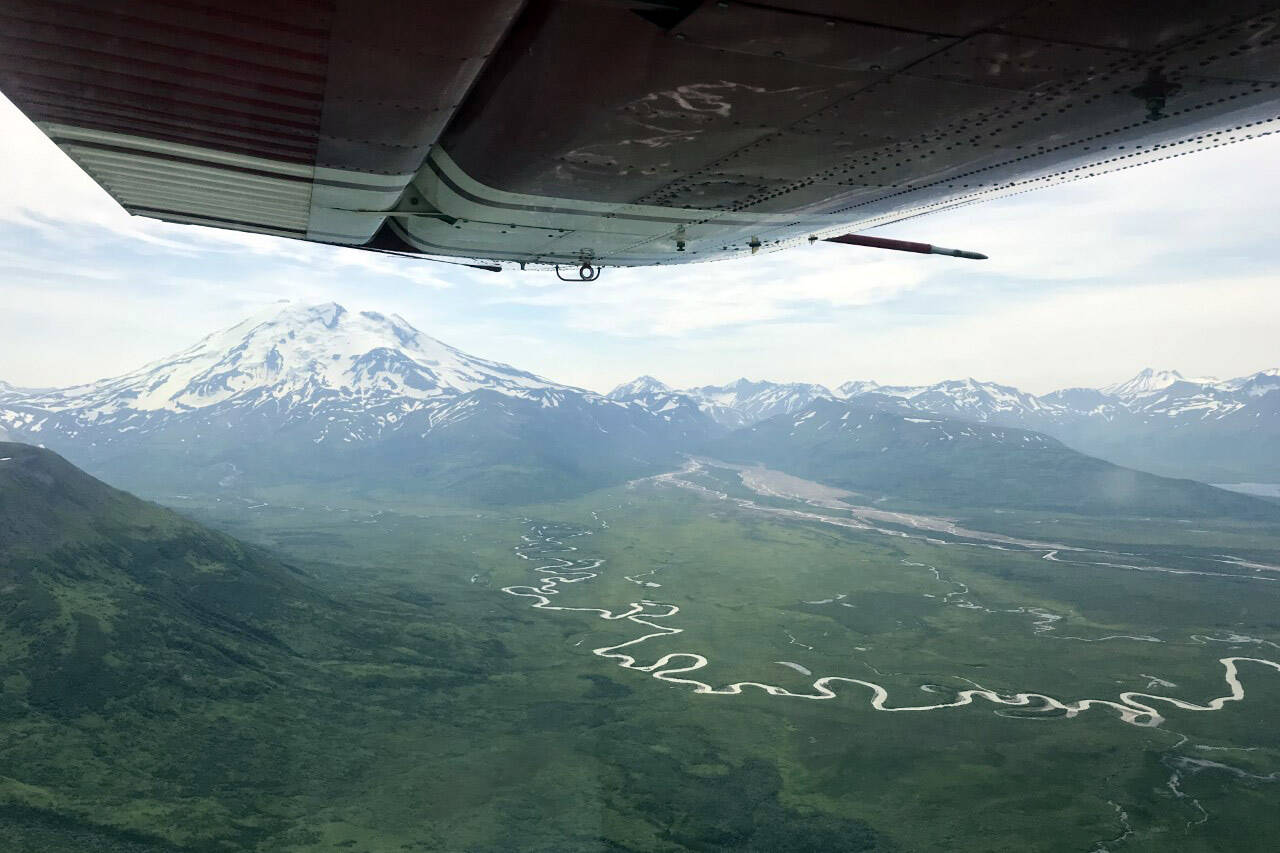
{"x": 586, "y": 272}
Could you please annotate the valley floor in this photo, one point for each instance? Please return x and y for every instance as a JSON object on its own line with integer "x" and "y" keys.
{"x": 635, "y": 670}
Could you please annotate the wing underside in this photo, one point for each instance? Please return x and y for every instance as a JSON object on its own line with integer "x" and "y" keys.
{"x": 625, "y": 133}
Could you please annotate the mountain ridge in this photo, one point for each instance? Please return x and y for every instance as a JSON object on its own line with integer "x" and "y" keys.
{"x": 1208, "y": 429}
{"x": 910, "y": 459}
{"x": 306, "y": 394}
{"x": 1144, "y": 384}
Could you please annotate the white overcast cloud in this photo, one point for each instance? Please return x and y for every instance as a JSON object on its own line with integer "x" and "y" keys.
{"x": 676, "y": 301}
{"x": 1171, "y": 265}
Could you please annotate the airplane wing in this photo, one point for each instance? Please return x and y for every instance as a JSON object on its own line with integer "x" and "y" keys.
{"x": 621, "y": 132}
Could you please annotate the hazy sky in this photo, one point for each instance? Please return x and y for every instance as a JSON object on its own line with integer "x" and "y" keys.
{"x": 1172, "y": 265}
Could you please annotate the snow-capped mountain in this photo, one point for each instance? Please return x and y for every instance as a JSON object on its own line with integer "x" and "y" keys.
{"x": 757, "y": 401}
{"x": 860, "y": 387}
{"x": 1217, "y": 430}
{"x": 638, "y": 387}
{"x": 746, "y": 402}
{"x": 1166, "y": 393}
{"x": 731, "y": 406}
{"x": 1159, "y": 420}
{"x": 1202, "y": 399}
{"x": 967, "y": 399}
{"x": 1255, "y": 384}
{"x": 676, "y": 407}
{"x": 8, "y": 391}
{"x": 1149, "y": 381}
{"x": 297, "y": 358}
{"x": 855, "y": 387}
{"x": 352, "y": 383}
{"x": 980, "y": 401}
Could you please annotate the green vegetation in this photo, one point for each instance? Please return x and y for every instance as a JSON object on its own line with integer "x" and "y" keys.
{"x": 168, "y": 688}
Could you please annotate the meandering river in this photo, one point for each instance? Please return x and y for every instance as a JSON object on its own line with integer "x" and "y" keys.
{"x": 656, "y": 621}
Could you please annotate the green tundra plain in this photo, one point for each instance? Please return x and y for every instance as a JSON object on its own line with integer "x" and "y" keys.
{"x": 427, "y": 683}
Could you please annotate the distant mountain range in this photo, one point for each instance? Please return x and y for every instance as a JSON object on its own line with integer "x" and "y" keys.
{"x": 731, "y": 406}
{"x": 316, "y": 394}
{"x": 1217, "y": 431}
{"x": 927, "y": 460}
{"x": 1160, "y": 421}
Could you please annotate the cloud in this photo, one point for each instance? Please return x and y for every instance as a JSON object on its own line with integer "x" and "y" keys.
{"x": 1208, "y": 325}
{"x": 696, "y": 298}
{"x": 1169, "y": 265}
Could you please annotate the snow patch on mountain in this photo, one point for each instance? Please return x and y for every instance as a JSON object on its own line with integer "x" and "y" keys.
{"x": 1165, "y": 393}
{"x": 855, "y": 387}
{"x": 746, "y": 402}
{"x": 1149, "y": 381}
{"x": 1256, "y": 384}
{"x": 638, "y": 387}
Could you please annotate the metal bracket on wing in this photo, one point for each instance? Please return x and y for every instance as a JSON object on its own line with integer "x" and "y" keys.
{"x": 409, "y": 214}
{"x": 423, "y": 257}
{"x": 586, "y": 272}
{"x": 900, "y": 246}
